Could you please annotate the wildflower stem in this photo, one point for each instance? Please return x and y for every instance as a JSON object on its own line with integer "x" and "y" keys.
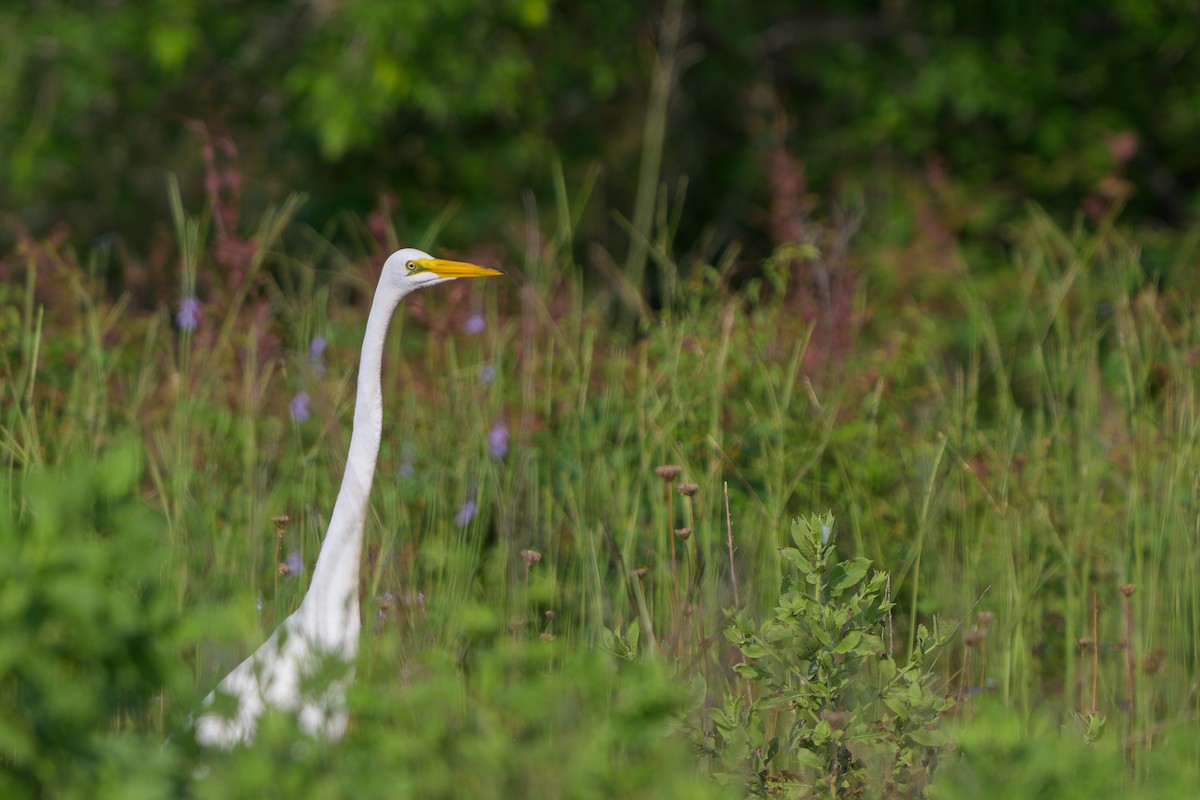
{"x": 737, "y": 601}
{"x": 1096, "y": 647}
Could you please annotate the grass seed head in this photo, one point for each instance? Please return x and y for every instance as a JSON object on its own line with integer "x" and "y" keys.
{"x": 669, "y": 472}
{"x": 688, "y": 489}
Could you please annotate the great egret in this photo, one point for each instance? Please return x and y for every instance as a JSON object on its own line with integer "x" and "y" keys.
{"x": 325, "y": 628}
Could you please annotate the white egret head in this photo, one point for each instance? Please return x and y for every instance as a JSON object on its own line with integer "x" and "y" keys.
{"x": 410, "y": 269}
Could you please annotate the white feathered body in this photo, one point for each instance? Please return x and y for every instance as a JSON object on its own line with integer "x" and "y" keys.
{"x": 292, "y": 670}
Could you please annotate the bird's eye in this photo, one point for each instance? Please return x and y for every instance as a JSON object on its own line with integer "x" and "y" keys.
{"x": 411, "y": 265}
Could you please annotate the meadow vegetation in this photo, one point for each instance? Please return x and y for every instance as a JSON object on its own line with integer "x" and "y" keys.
{"x": 796, "y": 455}
{"x": 593, "y": 563}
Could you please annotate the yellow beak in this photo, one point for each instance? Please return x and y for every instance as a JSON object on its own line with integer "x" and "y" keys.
{"x": 456, "y": 269}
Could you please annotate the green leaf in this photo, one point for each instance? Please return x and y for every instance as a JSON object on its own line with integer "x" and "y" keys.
{"x": 119, "y": 468}
{"x": 754, "y": 650}
{"x": 928, "y": 737}
{"x": 171, "y": 43}
{"x": 849, "y": 642}
{"x": 848, "y": 573}
{"x": 896, "y": 705}
{"x": 807, "y": 759}
{"x": 751, "y": 672}
{"x": 872, "y": 643}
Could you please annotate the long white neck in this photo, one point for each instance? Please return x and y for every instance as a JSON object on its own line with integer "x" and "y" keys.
{"x": 331, "y": 605}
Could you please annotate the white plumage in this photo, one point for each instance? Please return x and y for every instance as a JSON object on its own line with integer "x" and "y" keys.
{"x": 308, "y": 662}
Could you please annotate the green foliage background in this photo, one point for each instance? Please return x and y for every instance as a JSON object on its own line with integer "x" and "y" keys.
{"x": 850, "y": 306}
{"x": 472, "y": 101}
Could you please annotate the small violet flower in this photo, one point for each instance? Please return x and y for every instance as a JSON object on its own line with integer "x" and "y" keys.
{"x": 475, "y": 323}
{"x": 294, "y": 564}
{"x": 497, "y": 439}
{"x": 406, "y": 470}
{"x": 487, "y": 374}
{"x": 299, "y": 406}
{"x": 317, "y": 348}
{"x": 465, "y": 514}
{"x": 316, "y": 352}
{"x": 188, "y": 316}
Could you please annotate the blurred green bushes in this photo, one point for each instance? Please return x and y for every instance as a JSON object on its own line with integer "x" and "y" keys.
{"x": 89, "y": 636}
{"x": 92, "y": 652}
{"x": 471, "y": 101}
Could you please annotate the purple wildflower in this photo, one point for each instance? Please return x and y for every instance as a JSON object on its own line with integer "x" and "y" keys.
{"x": 475, "y": 323}
{"x": 487, "y": 374}
{"x": 465, "y": 514}
{"x": 316, "y": 351}
{"x": 497, "y": 439}
{"x": 188, "y": 316}
{"x": 317, "y": 348}
{"x": 294, "y": 564}
{"x": 385, "y": 602}
{"x": 299, "y": 406}
{"x": 406, "y": 470}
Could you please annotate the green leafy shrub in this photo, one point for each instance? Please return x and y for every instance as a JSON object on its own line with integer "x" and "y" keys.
{"x": 87, "y": 632}
{"x": 521, "y": 718}
{"x": 1001, "y": 755}
{"x": 826, "y": 710}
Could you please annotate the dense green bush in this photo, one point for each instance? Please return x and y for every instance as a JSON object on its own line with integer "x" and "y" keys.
{"x": 473, "y": 101}
{"x": 89, "y": 638}
{"x": 827, "y": 711}
{"x": 1002, "y": 756}
{"x": 526, "y": 718}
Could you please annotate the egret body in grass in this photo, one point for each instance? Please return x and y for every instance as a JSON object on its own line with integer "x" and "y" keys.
{"x": 292, "y": 670}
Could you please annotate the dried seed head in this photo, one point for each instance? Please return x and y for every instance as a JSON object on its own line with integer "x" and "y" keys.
{"x": 683, "y": 533}
{"x": 688, "y": 489}
{"x": 1081, "y": 645}
{"x": 1127, "y": 589}
{"x": 974, "y": 636}
{"x": 668, "y": 472}
{"x": 641, "y": 571}
{"x": 531, "y": 557}
{"x": 986, "y": 618}
{"x": 285, "y": 569}
{"x": 549, "y": 616}
{"x": 546, "y": 636}
{"x": 281, "y": 523}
